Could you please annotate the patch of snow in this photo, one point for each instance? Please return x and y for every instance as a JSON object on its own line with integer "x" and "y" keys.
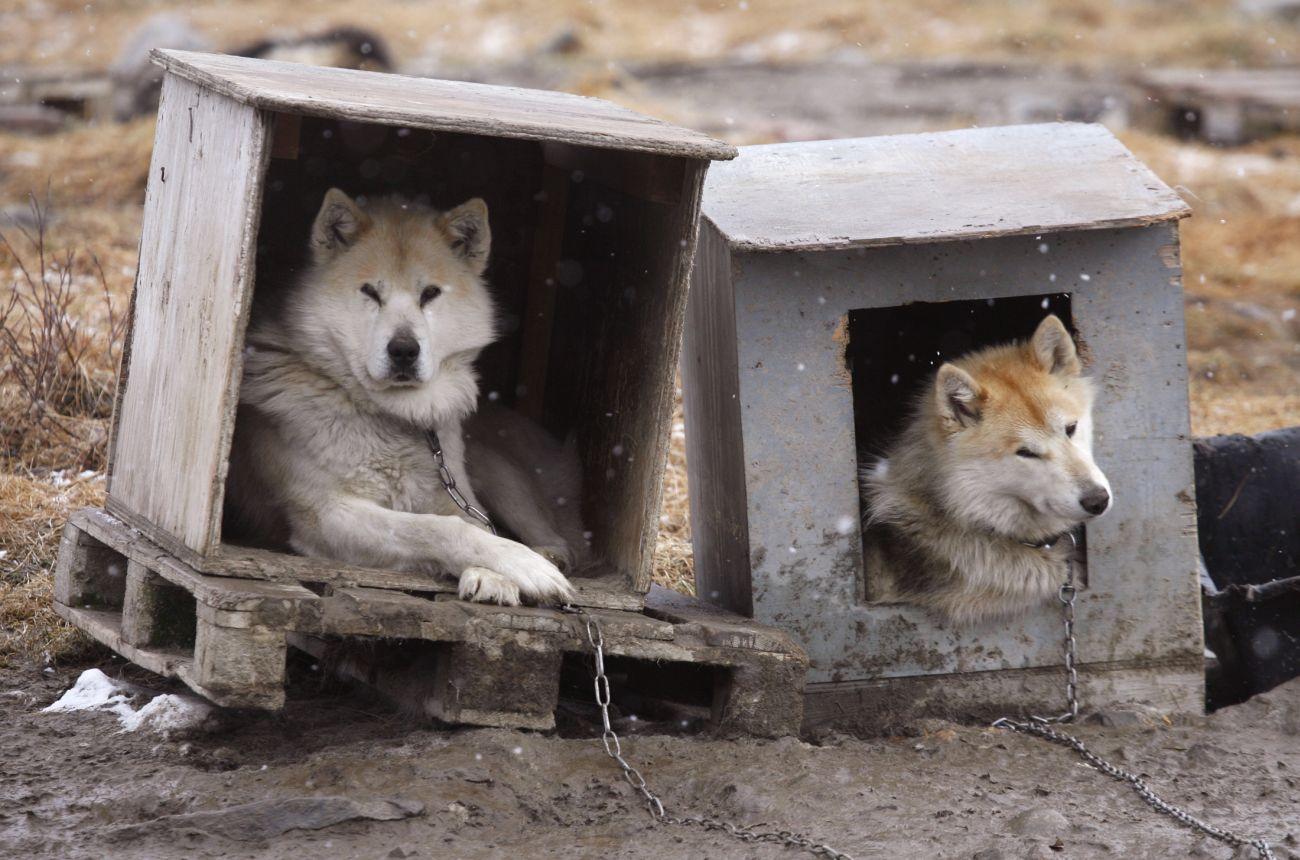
{"x": 95, "y": 691}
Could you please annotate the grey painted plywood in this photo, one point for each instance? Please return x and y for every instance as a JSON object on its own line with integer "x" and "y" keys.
{"x": 974, "y": 183}
{"x": 175, "y": 409}
{"x": 796, "y": 413}
{"x": 440, "y": 105}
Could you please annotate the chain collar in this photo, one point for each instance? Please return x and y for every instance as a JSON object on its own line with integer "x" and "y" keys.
{"x": 449, "y": 481}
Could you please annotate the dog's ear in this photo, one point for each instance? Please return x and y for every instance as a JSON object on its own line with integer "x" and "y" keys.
{"x": 466, "y": 229}
{"x": 1054, "y": 348}
{"x": 959, "y": 397}
{"x": 339, "y": 223}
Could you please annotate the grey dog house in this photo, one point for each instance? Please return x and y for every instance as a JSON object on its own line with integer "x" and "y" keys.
{"x": 832, "y": 278}
{"x": 593, "y": 211}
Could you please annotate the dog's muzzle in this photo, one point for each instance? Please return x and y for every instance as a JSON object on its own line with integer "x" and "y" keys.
{"x": 403, "y": 354}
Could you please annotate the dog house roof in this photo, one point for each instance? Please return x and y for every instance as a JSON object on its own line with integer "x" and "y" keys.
{"x": 917, "y": 188}
{"x": 453, "y": 106}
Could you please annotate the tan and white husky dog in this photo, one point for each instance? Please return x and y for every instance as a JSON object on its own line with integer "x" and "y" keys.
{"x": 377, "y": 343}
{"x": 969, "y": 512}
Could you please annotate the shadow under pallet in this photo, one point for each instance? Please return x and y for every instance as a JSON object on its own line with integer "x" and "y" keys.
{"x": 403, "y": 634}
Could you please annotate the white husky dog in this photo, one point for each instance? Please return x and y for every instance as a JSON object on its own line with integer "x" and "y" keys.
{"x": 377, "y": 344}
{"x": 970, "y": 512}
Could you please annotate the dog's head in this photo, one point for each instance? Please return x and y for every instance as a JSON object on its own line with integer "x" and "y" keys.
{"x": 1017, "y": 422}
{"x": 395, "y": 298}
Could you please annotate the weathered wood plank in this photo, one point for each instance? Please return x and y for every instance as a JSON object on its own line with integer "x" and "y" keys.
{"x": 968, "y": 184}
{"x": 176, "y": 415}
{"x": 440, "y": 105}
{"x": 105, "y": 627}
{"x": 220, "y": 592}
{"x": 88, "y": 571}
{"x": 624, "y": 426}
{"x": 714, "y": 446}
{"x": 239, "y": 666}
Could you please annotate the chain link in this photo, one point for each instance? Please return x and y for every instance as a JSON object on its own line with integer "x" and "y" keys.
{"x": 449, "y": 483}
{"x": 655, "y": 806}
{"x": 1041, "y": 727}
{"x": 1037, "y": 726}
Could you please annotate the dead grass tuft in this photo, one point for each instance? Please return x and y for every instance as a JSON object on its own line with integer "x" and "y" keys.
{"x": 61, "y": 337}
{"x": 674, "y": 564}
{"x": 32, "y": 514}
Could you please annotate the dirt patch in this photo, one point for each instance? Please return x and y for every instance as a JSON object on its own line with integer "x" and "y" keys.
{"x": 73, "y": 787}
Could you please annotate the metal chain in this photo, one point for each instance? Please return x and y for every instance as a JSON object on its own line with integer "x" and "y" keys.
{"x": 1037, "y": 726}
{"x": 449, "y": 483}
{"x": 1041, "y": 727}
{"x": 654, "y": 805}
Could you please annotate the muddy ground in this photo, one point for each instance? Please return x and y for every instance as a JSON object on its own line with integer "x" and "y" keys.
{"x": 72, "y": 786}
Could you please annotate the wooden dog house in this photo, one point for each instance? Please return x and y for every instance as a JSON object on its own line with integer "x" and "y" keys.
{"x": 832, "y": 279}
{"x": 593, "y": 211}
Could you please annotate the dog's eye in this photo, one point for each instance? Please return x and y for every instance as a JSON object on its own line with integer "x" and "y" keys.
{"x": 1069, "y": 430}
{"x": 429, "y": 294}
{"x": 1025, "y": 452}
{"x": 370, "y": 291}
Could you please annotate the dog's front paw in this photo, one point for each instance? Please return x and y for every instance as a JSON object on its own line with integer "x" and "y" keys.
{"x": 534, "y": 578}
{"x": 480, "y": 585}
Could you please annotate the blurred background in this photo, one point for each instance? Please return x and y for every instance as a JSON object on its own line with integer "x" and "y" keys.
{"x": 1207, "y": 93}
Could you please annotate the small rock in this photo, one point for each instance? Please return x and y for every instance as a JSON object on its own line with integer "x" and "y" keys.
{"x": 1039, "y": 822}
{"x": 458, "y": 811}
{"x": 990, "y": 854}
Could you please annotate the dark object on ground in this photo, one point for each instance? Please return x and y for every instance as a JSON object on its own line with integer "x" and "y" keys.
{"x": 344, "y": 47}
{"x": 32, "y": 119}
{"x": 136, "y": 79}
{"x": 1249, "y": 523}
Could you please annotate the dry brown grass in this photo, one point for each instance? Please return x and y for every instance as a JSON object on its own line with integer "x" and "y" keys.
{"x": 1084, "y": 32}
{"x": 32, "y": 514}
{"x": 1241, "y": 272}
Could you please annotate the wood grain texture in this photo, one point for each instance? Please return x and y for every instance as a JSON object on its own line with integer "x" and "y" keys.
{"x": 715, "y": 448}
{"x": 900, "y": 189}
{"x": 176, "y": 413}
{"x": 624, "y": 421}
{"x": 439, "y": 105}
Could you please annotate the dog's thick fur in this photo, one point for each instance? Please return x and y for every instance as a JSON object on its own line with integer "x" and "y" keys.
{"x": 529, "y": 482}
{"x": 968, "y": 513}
{"x": 377, "y": 342}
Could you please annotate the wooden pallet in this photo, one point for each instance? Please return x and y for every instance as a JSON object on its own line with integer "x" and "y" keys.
{"x": 226, "y": 637}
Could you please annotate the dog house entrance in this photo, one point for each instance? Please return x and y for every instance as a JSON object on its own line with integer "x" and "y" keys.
{"x": 583, "y": 246}
{"x": 894, "y": 352}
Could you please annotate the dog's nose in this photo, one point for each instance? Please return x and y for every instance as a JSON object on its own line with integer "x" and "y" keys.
{"x": 403, "y": 350}
{"x": 1095, "y": 501}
